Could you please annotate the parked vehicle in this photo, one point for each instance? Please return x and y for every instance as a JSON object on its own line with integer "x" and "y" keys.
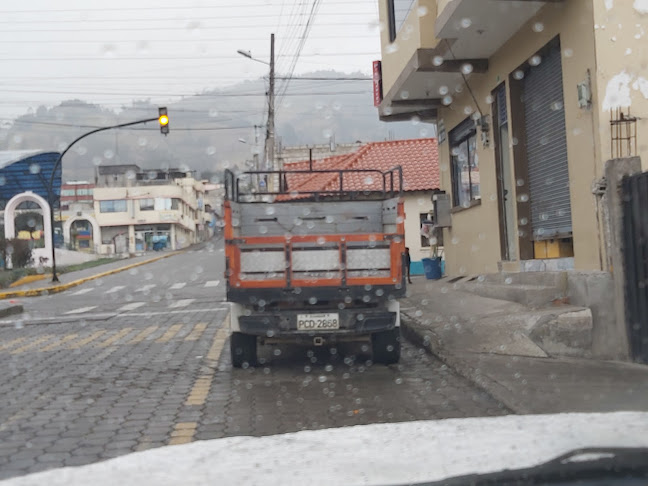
{"x": 314, "y": 267}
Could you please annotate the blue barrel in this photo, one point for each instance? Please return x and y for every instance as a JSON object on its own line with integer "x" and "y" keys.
{"x": 432, "y": 268}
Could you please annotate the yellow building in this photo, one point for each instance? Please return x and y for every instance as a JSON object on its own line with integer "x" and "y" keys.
{"x": 530, "y": 99}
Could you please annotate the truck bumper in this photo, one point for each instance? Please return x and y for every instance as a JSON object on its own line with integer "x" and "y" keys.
{"x": 355, "y": 321}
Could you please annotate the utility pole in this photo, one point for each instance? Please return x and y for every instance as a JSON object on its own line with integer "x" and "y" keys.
{"x": 270, "y": 147}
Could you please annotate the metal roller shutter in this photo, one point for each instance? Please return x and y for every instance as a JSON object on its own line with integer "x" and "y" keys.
{"x": 547, "y": 148}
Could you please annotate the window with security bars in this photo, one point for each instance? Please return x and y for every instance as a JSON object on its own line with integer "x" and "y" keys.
{"x": 397, "y": 12}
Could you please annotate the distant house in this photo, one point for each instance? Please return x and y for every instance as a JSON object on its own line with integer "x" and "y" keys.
{"x": 420, "y": 163}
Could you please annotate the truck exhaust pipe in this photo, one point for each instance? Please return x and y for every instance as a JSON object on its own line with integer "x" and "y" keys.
{"x": 318, "y": 341}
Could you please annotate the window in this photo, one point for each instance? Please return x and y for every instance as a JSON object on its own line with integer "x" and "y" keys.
{"x": 465, "y": 165}
{"x": 175, "y": 203}
{"x": 162, "y": 203}
{"x": 397, "y": 11}
{"x": 146, "y": 204}
{"x": 82, "y": 192}
{"x": 114, "y": 206}
{"x": 67, "y": 192}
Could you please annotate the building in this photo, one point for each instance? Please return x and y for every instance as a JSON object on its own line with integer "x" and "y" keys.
{"x": 140, "y": 210}
{"x": 77, "y": 196}
{"x": 419, "y": 161}
{"x": 296, "y": 153}
{"x": 530, "y": 100}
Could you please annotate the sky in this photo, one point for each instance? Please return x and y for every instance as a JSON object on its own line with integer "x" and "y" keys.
{"x": 112, "y": 53}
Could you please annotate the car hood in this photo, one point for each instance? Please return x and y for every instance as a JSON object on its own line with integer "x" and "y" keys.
{"x": 377, "y": 454}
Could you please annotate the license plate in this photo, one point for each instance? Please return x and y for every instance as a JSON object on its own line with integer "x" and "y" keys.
{"x": 318, "y": 322}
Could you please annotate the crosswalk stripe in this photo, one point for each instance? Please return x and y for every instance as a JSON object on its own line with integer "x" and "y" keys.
{"x": 83, "y": 291}
{"x": 82, "y": 342}
{"x": 81, "y": 310}
{"x": 131, "y": 306}
{"x": 145, "y": 288}
{"x": 115, "y": 337}
{"x": 168, "y": 335}
{"x": 116, "y": 288}
{"x": 196, "y": 332}
{"x": 12, "y": 343}
{"x": 32, "y": 345}
{"x": 143, "y": 335}
{"x": 56, "y": 344}
{"x": 181, "y": 303}
{"x": 212, "y": 283}
{"x": 178, "y": 286}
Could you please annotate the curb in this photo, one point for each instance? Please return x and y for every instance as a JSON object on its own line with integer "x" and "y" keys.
{"x": 55, "y": 289}
{"x": 428, "y": 340}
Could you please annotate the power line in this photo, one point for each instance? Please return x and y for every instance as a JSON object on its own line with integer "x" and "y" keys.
{"x": 117, "y": 9}
{"x": 168, "y": 58}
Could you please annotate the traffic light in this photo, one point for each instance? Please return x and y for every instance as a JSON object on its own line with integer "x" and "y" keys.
{"x": 164, "y": 120}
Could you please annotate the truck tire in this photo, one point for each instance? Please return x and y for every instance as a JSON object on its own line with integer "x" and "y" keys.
{"x": 243, "y": 348}
{"x": 386, "y": 346}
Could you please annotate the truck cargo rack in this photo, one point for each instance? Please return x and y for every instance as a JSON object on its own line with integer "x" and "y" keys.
{"x": 389, "y": 184}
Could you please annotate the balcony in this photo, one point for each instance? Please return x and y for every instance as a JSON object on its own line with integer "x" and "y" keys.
{"x": 440, "y": 42}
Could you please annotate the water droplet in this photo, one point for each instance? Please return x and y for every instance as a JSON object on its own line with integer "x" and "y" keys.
{"x": 391, "y": 48}
{"x": 398, "y": 381}
{"x": 523, "y": 198}
{"x": 109, "y": 154}
{"x": 519, "y": 74}
{"x": 211, "y": 150}
{"x": 422, "y": 11}
{"x": 508, "y": 280}
{"x": 404, "y": 94}
{"x": 142, "y": 141}
{"x": 263, "y": 229}
{"x": 109, "y": 50}
{"x": 437, "y": 60}
{"x": 538, "y": 27}
{"x": 213, "y": 112}
{"x": 467, "y": 68}
{"x": 466, "y": 22}
{"x": 327, "y": 132}
{"x": 34, "y": 168}
{"x": 142, "y": 47}
{"x": 524, "y": 221}
{"x": 535, "y": 60}
{"x": 3, "y": 180}
{"x": 468, "y": 110}
{"x": 96, "y": 160}
{"x": 489, "y": 100}
{"x": 447, "y": 100}
{"x": 443, "y": 90}
{"x": 388, "y": 110}
{"x": 312, "y": 300}
{"x": 556, "y": 106}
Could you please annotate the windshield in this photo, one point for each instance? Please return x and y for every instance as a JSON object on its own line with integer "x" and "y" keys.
{"x": 267, "y": 217}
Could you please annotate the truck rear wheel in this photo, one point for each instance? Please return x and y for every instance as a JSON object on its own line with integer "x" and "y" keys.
{"x": 243, "y": 348}
{"x": 386, "y": 346}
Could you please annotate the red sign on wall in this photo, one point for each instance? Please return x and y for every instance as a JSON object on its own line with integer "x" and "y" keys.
{"x": 377, "y": 83}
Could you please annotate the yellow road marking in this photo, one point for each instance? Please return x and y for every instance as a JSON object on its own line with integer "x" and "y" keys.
{"x": 183, "y": 433}
{"x": 82, "y": 342}
{"x": 143, "y": 335}
{"x": 10, "y": 344}
{"x": 217, "y": 345}
{"x": 172, "y": 331}
{"x": 56, "y": 344}
{"x": 196, "y": 332}
{"x": 32, "y": 345}
{"x": 200, "y": 390}
{"x": 115, "y": 337}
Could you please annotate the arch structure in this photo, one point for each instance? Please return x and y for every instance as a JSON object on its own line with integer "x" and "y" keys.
{"x": 10, "y": 216}
{"x": 96, "y": 229}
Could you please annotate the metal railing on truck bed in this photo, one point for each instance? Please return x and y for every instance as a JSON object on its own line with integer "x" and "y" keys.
{"x": 343, "y": 247}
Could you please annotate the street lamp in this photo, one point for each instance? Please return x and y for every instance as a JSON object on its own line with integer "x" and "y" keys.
{"x": 270, "y": 131}
{"x": 162, "y": 119}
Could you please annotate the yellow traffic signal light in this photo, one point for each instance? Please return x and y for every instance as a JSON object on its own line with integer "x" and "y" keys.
{"x": 164, "y": 120}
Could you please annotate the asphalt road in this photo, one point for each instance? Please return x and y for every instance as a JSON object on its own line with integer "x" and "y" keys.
{"x": 140, "y": 359}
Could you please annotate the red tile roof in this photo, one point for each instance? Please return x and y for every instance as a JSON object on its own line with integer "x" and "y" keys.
{"x": 418, "y": 157}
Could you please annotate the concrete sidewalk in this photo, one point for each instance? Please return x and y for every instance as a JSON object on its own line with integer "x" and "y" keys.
{"x": 488, "y": 341}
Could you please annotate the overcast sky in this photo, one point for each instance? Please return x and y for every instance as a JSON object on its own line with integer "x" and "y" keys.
{"x": 113, "y": 52}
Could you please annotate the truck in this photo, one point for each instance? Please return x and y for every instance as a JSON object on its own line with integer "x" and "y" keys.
{"x": 314, "y": 257}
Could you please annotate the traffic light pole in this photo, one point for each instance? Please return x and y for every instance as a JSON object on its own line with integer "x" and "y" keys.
{"x": 58, "y": 164}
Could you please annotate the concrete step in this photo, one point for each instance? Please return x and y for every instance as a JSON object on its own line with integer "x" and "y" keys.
{"x": 545, "y": 279}
{"x": 564, "y": 331}
{"x": 528, "y": 295}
